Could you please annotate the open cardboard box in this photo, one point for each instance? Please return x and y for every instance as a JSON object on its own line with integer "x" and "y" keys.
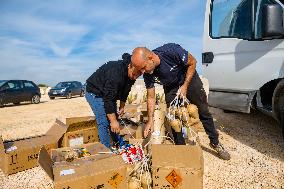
{"x": 177, "y": 166}
{"x": 81, "y": 130}
{"x": 101, "y": 169}
{"x": 19, "y": 155}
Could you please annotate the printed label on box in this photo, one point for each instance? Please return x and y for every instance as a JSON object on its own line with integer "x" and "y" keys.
{"x": 115, "y": 180}
{"x": 67, "y": 172}
{"x": 76, "y": 141}
{"x": 174, "y": 179}
{"x": 12, "y": 148}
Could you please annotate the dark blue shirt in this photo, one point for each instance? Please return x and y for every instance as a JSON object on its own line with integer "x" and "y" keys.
{"x": 172, "y": 68}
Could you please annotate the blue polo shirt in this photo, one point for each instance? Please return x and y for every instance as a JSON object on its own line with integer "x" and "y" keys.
{"x": 172, "y": 68}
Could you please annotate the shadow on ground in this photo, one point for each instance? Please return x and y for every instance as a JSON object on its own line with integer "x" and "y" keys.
{"x": 255, "y": 130}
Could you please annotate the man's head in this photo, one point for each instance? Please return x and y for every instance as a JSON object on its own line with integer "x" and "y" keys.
{"x": 133, "y": 73}
{"x": 144, "y": 60}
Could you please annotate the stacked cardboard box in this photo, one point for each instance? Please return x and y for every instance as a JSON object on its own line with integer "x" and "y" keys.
{"x": 81, "y": 130}
{"x": 177, "y": 166}
{"x": 100, "y": 169}
{"x": 22, "y": 154}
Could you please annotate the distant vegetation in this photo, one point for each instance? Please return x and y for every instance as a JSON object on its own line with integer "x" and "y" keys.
{"x": 42, "y": 85}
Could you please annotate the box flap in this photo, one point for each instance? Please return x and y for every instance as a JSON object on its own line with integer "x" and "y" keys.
{"x": 79, "y": 123}
{"x": 2, "y": 154}
{"x": 179, "y": 156}
{"x": 57, "y": 130}
{"x": 45, "y": 162}
{"x": 71, "y": 120}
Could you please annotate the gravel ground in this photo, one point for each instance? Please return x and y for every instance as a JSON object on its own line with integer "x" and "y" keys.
{"x": 254, "y": 141}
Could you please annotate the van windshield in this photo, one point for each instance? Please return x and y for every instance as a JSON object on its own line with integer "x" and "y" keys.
{"x": 2, "y": 82}
{"x": 63, "y": 84}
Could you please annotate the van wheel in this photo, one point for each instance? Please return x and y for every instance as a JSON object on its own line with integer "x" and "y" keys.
{"x": 281, "y": 106}
{"x": 52, "y": 98}
{"x": 35, "y": 99}
{"x": 69, "y": 95}
{"x": 278, "y": 103}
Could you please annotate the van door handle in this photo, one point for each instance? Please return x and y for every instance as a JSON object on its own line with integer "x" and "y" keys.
{"x": 207, "y": 57}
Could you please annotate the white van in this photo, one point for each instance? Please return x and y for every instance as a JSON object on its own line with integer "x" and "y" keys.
{"x": 243, "y": 55}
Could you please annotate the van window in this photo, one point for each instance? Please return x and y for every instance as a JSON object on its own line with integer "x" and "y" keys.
{"x": 232, "y": 18}
{"x": 259, "y": 16}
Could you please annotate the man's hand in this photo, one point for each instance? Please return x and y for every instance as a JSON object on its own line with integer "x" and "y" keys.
{"x": 121, "y": 108}
{"x": 121, "y": 111}
{"x": 182, "y": 91}
{"x": 149, "y": 128}
{"x": 115, "y": 127}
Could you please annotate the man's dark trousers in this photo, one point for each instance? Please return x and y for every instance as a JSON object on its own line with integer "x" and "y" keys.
{"x": 197, "y": 96}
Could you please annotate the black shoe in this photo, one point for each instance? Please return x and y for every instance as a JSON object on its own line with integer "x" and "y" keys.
{"x": 222, "y": 152}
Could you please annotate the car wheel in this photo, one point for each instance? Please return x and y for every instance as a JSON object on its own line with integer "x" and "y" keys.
{"x": 82, "y": 94}
{"x": 16, "y": 103}
{"x": 52, "y": 98}
{"x": 35, "y": 99}
{"x": 69, "y": 95}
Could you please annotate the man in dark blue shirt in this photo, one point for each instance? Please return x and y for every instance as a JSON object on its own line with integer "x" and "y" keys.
{"x": 173, "y": 67}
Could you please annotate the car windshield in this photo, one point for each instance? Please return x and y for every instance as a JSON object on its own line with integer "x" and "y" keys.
{"x": 63, "y": 84}
{"x": 2, "y": 82}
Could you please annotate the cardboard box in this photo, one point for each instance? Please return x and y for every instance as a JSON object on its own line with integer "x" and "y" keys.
{"x": 99, "y": 170}
{"x": 81, "y": 130}
{"x": 132, "y": 129}
{"x": 22, "y": 154}
{"x": 177, "y": 166}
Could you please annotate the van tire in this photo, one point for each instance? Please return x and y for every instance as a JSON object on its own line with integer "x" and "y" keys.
{"x": 282, "y": 122}
{"x": 278, "y": 100}
{"x": 278, "y": 104}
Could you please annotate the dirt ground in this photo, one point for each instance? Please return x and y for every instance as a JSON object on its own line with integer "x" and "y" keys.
{"x": 254, "y": 141}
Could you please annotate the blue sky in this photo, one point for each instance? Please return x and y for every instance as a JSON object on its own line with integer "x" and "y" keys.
{"x": 52, "y": 41}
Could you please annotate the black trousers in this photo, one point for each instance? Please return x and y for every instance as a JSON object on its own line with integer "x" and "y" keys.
{"x": 197, "y": 96}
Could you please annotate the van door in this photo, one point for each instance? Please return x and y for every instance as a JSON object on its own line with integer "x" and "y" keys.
{"x": 237, "y": 60}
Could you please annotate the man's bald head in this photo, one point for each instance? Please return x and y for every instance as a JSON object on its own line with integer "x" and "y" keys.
{"x": 143, "y": 59}
{"x": 139, "y": 56}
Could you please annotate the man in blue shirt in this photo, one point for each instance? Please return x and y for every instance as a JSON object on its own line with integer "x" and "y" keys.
{"x": 173, "y": 67}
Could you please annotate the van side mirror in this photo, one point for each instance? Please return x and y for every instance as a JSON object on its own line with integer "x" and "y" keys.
{"x": 272, "y": 21}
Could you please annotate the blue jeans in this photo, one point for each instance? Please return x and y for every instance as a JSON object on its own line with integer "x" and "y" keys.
{"x": 103, "y": 125}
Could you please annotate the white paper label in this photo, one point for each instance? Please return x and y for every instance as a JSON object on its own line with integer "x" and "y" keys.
{"x": 156, "y": 133}
{"x": 76, "y": 141}
{"x": 12, "y": 148}
{"x": 67, "y": 172}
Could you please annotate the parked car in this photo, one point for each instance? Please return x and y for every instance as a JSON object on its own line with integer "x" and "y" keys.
{"x": 66, "y": 89}
{"x": 17, "y": 91}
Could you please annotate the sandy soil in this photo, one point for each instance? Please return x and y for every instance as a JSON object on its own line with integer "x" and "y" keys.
{"x": 254, "y": 141}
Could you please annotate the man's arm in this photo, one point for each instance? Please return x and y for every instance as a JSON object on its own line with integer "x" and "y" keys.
{"x": 114, "y": 124}
{"x": 150, "y": 109}
{"x": 189, "y": 74}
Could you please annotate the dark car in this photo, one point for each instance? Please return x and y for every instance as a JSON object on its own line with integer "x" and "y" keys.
{"x": 66, "y": 89}
{"x": 17, "y": 91}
